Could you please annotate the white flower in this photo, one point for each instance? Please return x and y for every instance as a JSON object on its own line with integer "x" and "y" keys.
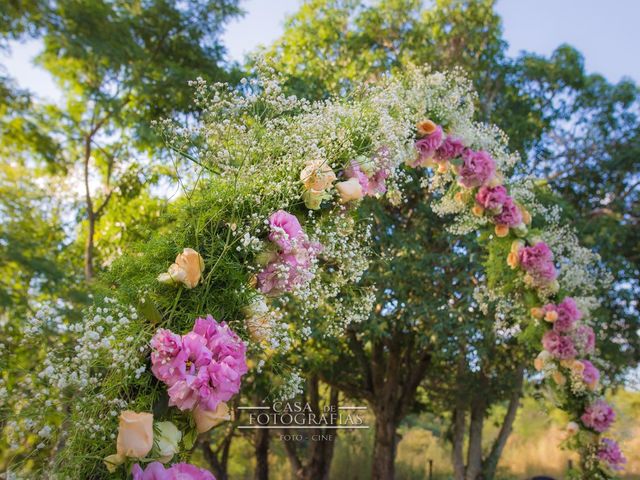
{"x": 167, "y": 439}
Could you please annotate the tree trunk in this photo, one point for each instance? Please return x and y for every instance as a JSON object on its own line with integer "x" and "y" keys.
{"x": 491, "y": 463}
{"x": 322, "y": 450}
{"x": 262, "y": 454}
{"x": 459, "y": 426}
{"x": 319, "y": 451}
{"x": 218, "y": 460}
{"x": 211, "y": 458}
{"x": 91, "y": 219}
{"x": 384, "y": 451}
{"x": 88, "y": 249}
{"x": 459, "y": 421}
{"x": 474, "y": 453}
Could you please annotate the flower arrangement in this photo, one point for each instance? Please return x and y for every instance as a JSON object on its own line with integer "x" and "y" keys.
{"x": 202, "y": 368}
{"x": 289, "y": 265}
{"x": 278, "y": 222}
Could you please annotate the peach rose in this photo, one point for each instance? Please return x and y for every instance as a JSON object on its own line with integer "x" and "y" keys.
{"x": 187, "y": 269}
{"x": 512, "y": 260}
{"x": 551, "y": 316}
{"x": 317, "y": 175}
{"x": 573, "y": 365}
{"x": 537, "y": 312}
{"x": 496, "y": 180}
{"x": 559, "y": 378}
{"x": 502, "y": 230}
{"x": 426, "y": 127}
{"x": 135, "y": 434}
{"x": 207, "y": 419}
{"x": 349, "y": 190}
{"x": 477, "y": 210}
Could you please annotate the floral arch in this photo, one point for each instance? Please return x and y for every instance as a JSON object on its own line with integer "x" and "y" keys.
{"x": 272, "y": 201}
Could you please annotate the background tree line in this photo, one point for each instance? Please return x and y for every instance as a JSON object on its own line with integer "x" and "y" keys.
{"x": 80, "y": 181}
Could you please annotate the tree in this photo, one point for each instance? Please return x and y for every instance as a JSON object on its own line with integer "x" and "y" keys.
{"x": 121, "y": 65}
{"x": 313, "y": 460}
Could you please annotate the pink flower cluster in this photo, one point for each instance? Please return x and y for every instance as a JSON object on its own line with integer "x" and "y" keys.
{"x": 560, "y": 346}
{"x": 290, "y": 264}
{"x": 598, "y": 416}
{"x": 372, "y": 183}
{"x": 179, "y": 471}
{"x": 537, "y": 261}
{"x": 203, "y": 367}
{"x": 496, "y": 201}
{"x": 450, "y": 148}
{"x": 579, "y": 341}
{"x": 477, "y": 168}
{"x": 610, "y": 453}
{"x": 428, "y": 146}
{"x": 567, "y": 312}
{"x": 590, "y": 374}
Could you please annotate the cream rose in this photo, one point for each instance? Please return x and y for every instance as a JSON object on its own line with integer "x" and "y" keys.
{"x": 257, "y": 319}
{"x": 349, "y": 190}
{"x": 187, "y": 269}
{"x": 207, "y": 419}
{"x": 572, "y": 428}
{"x": 135, "y": 434}
{"x": 167, "y": 439}
{"x": 113, "y": 461}
{"x": 313, "y": 198}
{"x": 317, "y": 175}
{"x": 541, "y": 360}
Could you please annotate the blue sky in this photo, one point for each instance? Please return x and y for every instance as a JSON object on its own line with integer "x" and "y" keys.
{"x": 606, "y": 33}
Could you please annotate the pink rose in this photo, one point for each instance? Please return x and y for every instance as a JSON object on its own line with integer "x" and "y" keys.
{"x": 590, "y": 374}
{"x": 598, "y": 416}
{"x": 179, "y": 471}
{"x": 284, "y": 228}
{"x": 537, "y": 260}
{"x": 427, "y": 146}
{"x": 568, "y": 315}
{"x": 477, "y": 168}
{"x": 492, "y": 198}
{"x": 451, "y": 148}
{"x": 559, "y": 346}
{"x": 510, "y": 214}
{"x": 610, "y": 453}
{"x": 167, "y": 357}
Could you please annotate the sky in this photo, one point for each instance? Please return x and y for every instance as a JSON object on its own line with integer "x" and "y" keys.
{"x": 606, "y": 33}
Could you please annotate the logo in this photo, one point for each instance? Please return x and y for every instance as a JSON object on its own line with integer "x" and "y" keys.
{"x": 300, "y": 415}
